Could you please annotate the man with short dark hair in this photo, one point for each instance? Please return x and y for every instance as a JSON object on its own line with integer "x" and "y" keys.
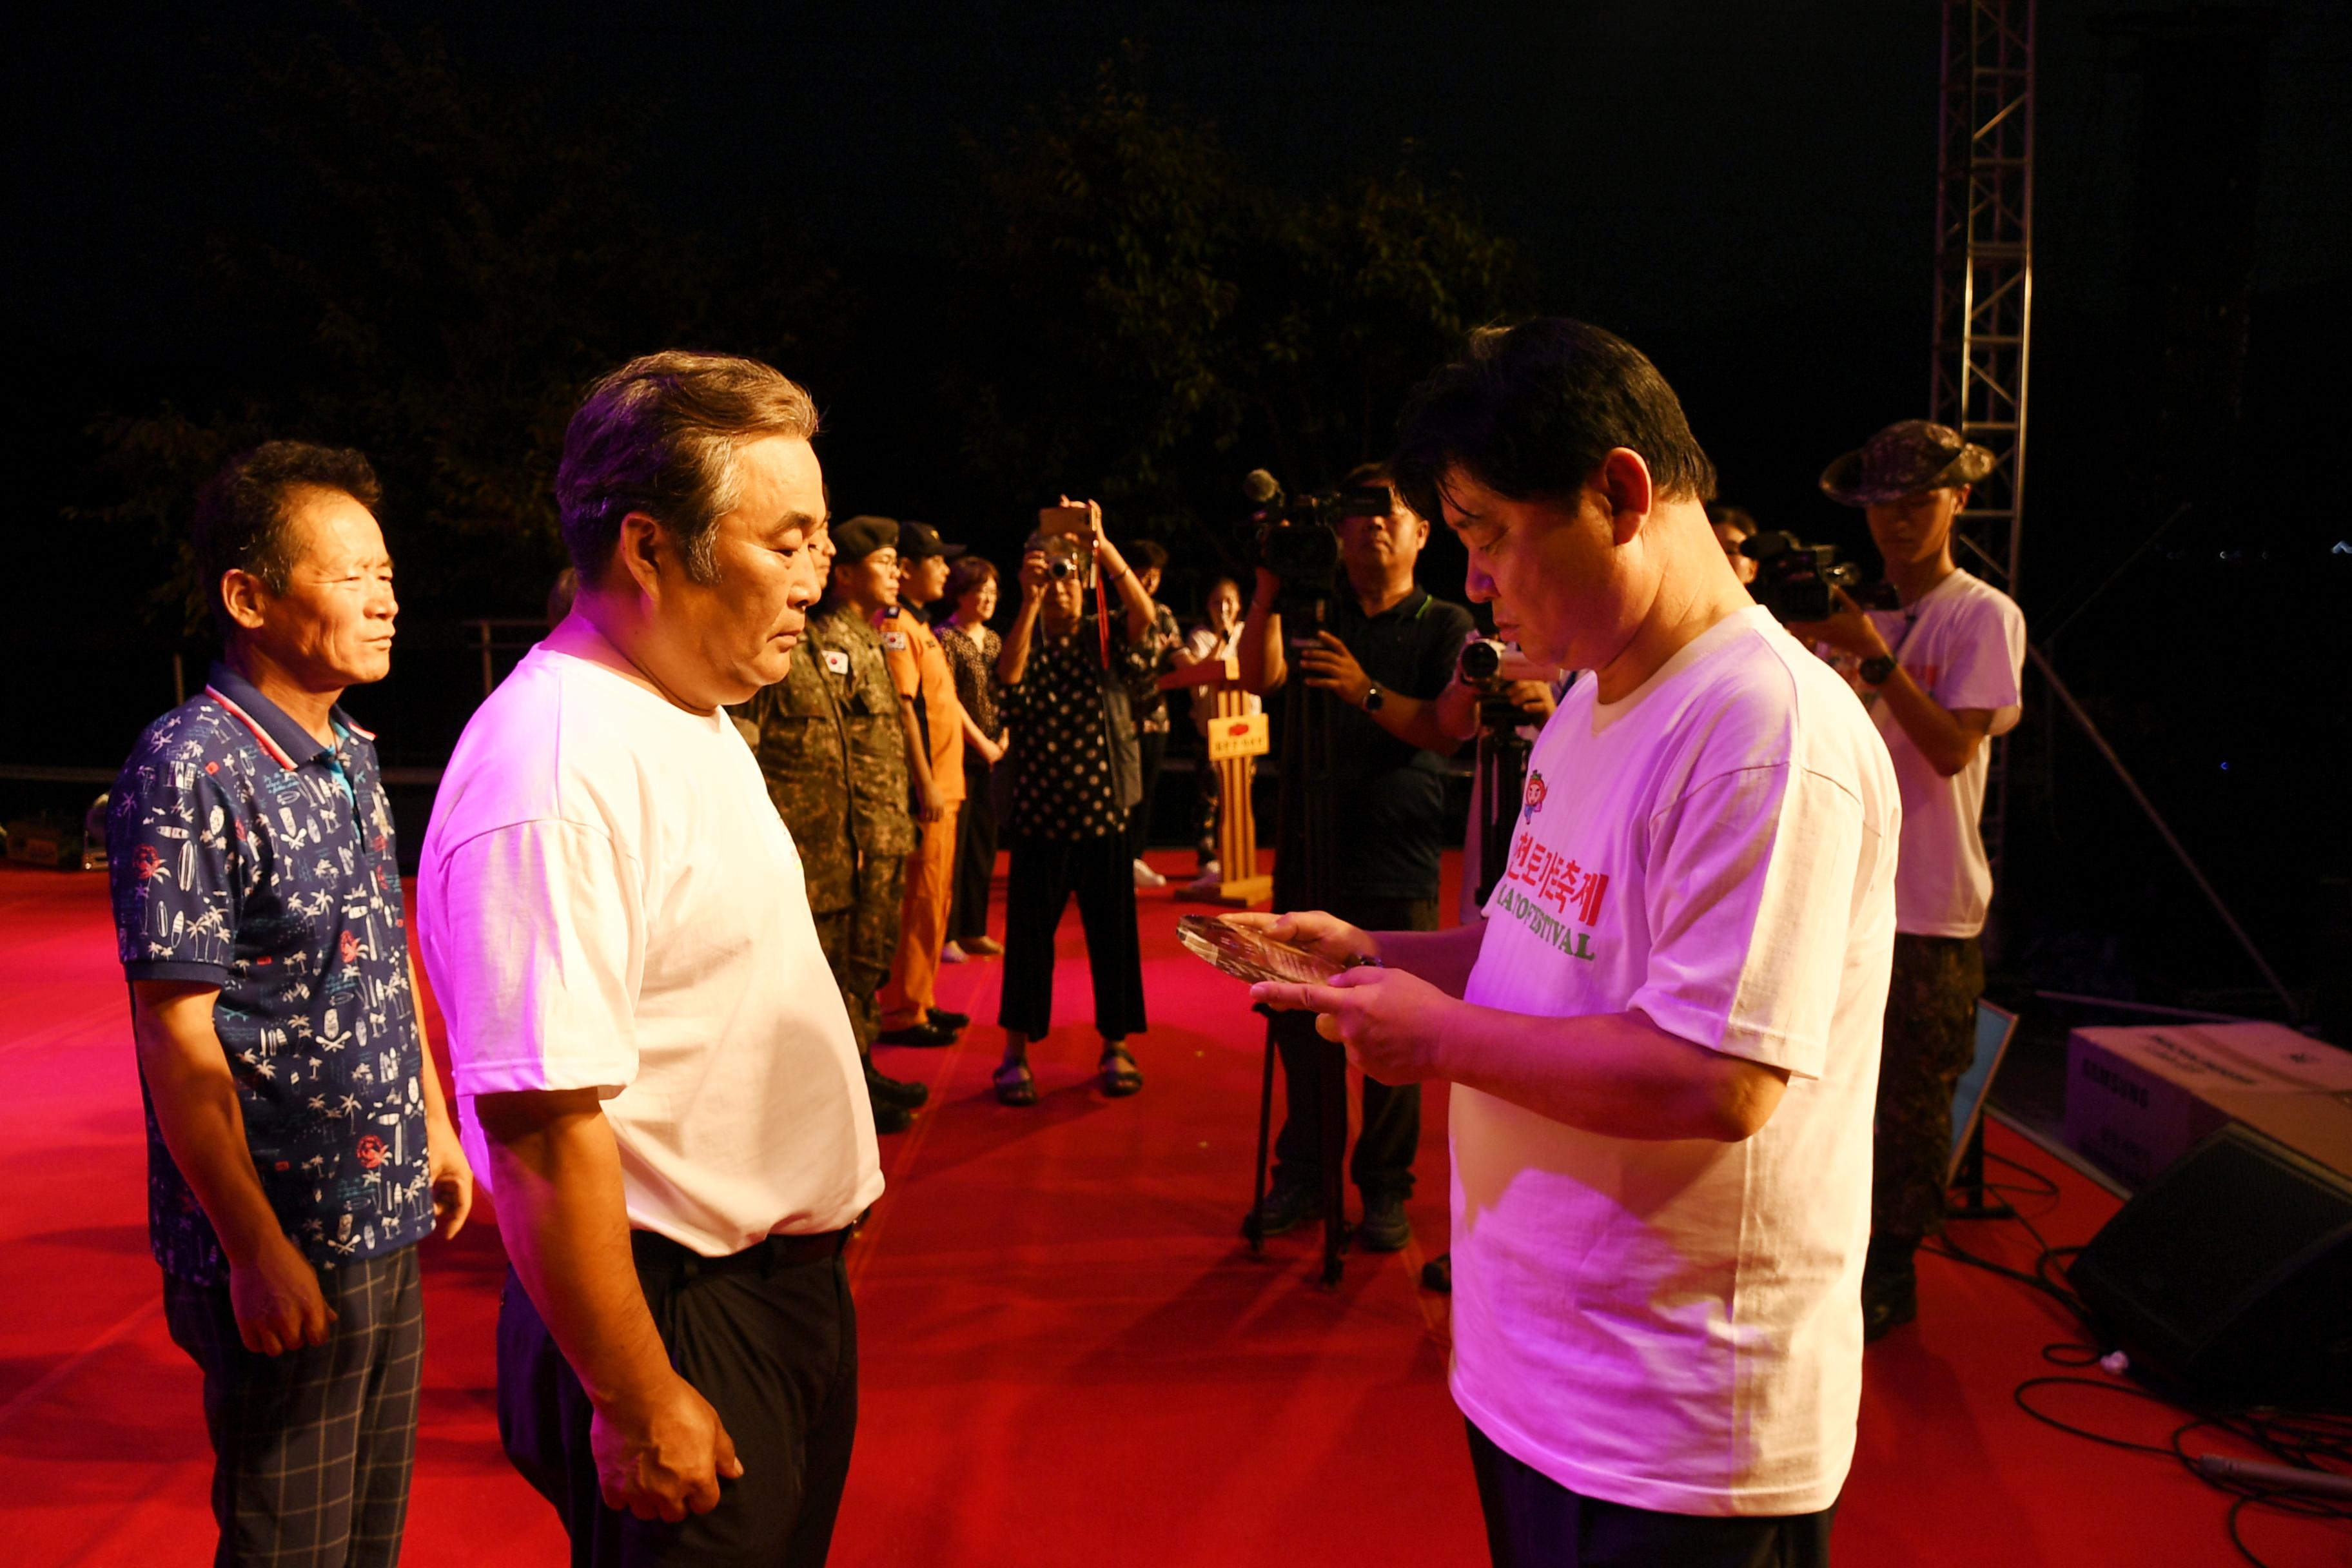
{"x": 1942, "y": 675}
{"x": 666, "y": 1096}
{"x": 1733, "y": 528}
{"x": 1385, "y": 653}
{"x": 1663, "y": 1039}
{"x": 297, "y": 1145}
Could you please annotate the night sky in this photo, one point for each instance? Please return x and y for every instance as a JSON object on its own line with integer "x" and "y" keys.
{"x": 1746, "y": 192}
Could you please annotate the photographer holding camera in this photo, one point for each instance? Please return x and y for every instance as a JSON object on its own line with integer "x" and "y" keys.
{"x": 1662, "y": 1040}
{"x": 1385, "y": 652}
{"x": 1067, "y": 687}
{"x": 1940, "y": 676}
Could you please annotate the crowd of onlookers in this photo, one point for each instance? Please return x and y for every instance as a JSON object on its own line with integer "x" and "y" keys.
{"x": 911, "y": 738}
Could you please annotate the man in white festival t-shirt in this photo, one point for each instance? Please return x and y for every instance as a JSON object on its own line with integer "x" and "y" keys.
{"x": 1941, "y": 676}
{"x": 662, "y": 1088}
{"x": 1663, "y": 1037}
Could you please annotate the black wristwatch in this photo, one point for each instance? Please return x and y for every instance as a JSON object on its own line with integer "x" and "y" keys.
{"x": 1877, "y": 671}
{"x": 1373, "y": 697}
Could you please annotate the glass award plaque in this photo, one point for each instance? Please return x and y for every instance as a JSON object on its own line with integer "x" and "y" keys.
{"x": 1247, "y": 955}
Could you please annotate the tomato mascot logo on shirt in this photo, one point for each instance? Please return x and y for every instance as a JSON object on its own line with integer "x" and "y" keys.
{"x": 1533, "y": 796}
{"x": 370, "y": 1152}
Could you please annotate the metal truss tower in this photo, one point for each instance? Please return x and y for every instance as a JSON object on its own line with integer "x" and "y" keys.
{"x": 1984, "y": 258}
{"x": 1984, "y": 288}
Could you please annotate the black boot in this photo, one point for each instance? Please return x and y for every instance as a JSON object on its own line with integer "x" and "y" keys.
{"x": 883, "y": 1089}
{"x": 1288, "y": 1205}
{"x": 1890, "y": 1285}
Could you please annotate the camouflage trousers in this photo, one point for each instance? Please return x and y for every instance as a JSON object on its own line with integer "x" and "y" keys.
{"x": 1931, "y": 1038}
{"x": 860, "y": 940}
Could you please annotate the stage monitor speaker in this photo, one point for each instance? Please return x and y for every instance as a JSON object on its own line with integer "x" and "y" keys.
{"x": 2230, "y": 1275}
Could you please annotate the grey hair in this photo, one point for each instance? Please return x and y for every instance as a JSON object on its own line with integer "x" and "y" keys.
{"x": 661, "y": 436}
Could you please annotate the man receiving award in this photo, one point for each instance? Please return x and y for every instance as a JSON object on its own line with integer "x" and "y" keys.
{"x": 1664, "y": 1037}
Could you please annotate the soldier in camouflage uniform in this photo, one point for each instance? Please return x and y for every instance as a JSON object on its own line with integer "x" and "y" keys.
{"x": 833, "y": 748}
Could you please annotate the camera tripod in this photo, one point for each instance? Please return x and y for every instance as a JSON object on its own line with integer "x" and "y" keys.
{"x": 1303, "y": 878}
{"x": 1502, "y": 781}
{"x": 1502, "y": 787}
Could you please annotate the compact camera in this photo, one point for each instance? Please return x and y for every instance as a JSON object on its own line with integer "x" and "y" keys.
{"x": 1066, "y": 555}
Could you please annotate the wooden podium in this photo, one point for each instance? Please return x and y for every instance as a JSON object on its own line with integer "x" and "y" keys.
{"x": 1236, "y": 739}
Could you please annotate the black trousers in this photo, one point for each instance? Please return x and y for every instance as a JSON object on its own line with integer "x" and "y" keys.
{"x": 1153, "y": 750}
{"x": 1533, "y": 1522}
{"x": 1044, "y": 873}
{"x": 771, "y": 1345}
{"x": 311, "y": 1449}
{"x": 975, "y": 857}
{"x": 1382, "y": 1163}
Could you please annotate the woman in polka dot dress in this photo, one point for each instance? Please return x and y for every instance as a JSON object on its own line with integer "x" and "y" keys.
{"x": 1067, "y": 686}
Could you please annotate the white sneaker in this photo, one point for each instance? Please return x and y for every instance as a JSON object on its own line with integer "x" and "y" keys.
{"x": 1211, "y": 877}
{"x": 951, "y": 953}
{"x": 1145, "y": 876}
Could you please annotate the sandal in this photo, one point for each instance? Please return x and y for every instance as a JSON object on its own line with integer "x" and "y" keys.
{"x": 1015, "y": 1084}
{"x": 1119, "y": 1077}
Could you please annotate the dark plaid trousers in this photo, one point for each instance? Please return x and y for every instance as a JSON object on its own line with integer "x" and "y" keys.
{"x": 1931, "y": 1038}
{"x": 311, "y": 1449}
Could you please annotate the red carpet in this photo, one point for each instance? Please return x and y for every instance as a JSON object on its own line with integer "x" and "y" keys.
{"x": 1068, "y": 1356}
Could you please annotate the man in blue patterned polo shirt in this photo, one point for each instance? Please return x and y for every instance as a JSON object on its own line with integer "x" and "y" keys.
{"x": 298, "y": 1145}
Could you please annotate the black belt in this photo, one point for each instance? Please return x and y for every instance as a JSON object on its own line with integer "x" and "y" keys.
{"x": 770, "y": 1253}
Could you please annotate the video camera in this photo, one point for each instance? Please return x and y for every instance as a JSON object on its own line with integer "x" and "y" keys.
{"x": 1298, "y": 539}
{"x": 1489, "y": 666}
{"x": 1796, "y": 580}
{"x": 1481, "y": 661}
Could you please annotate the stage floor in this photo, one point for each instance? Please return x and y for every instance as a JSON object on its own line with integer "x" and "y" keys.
{"x": 1069, "y": 1357}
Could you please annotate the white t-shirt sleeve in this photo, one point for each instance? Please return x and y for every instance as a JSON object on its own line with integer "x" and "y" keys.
{"x": 1984, "y": 663}
{"x": 1749, "y": 885}
{"x": 543, "y": 954}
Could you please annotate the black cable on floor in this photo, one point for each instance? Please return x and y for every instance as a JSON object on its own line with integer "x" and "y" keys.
{"x": 2311, "y": 1440}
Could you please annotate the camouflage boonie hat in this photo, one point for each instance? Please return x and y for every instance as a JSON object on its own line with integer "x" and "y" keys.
{"x": 1902, "y": 460}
